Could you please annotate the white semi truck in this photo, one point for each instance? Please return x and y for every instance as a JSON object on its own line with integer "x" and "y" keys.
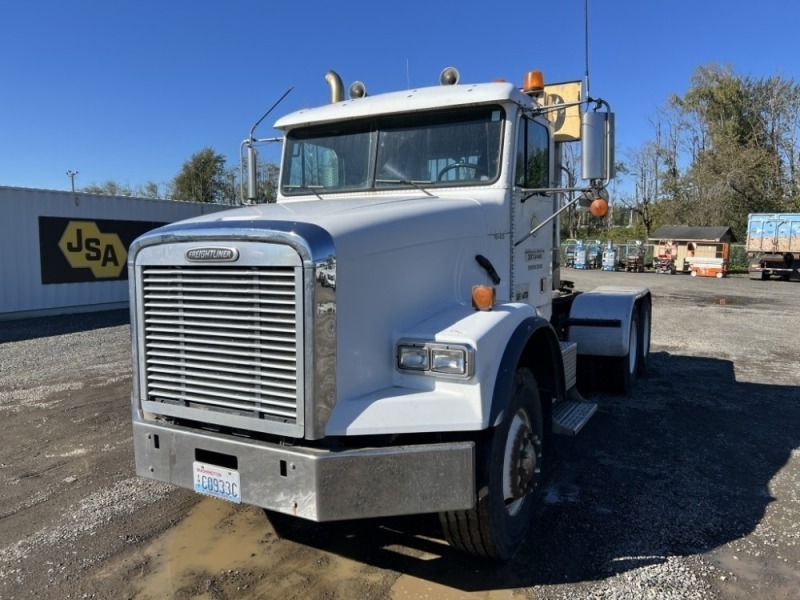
{"x": 392, "y": 336}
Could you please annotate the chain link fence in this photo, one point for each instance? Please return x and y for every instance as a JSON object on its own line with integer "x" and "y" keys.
{"x": 737, "y": 260}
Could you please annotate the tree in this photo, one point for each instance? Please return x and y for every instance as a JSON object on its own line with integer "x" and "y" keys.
{"x": 232, "y": 194}
{"x": 643, "y": 166}
{"x": 202, "y": 178}
{"x": 268, "y": 181}
{"x": 739, "y": 137}
{"x": 109, "y": 188}
{"x": 148, "y": 190}
{"x": 569, "y": 178}
{"x": 267, "y": 174}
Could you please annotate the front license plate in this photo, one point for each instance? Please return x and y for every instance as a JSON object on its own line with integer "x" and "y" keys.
{"x": 217, "y": 481}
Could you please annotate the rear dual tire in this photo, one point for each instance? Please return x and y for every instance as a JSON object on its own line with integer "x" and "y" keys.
{"x": 645, "y": 312}
{"x": 623, "y": 370}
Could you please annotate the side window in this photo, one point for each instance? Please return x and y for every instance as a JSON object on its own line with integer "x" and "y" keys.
{"x": 533, "y": 157}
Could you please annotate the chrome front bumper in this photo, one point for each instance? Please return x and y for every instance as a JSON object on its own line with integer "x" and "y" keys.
{"x": 319, "y": 485}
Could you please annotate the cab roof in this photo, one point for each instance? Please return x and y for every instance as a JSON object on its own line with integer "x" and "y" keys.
{"x": 419, "y": 99}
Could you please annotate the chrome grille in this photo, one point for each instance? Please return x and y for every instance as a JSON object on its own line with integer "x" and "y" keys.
{"x": 222, "y": 339}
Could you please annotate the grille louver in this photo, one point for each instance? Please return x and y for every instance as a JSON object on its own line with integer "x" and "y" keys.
{"x": 222, "y": 339}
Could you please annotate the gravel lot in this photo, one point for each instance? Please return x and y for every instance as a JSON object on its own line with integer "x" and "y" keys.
{"x": 688, "y": 488}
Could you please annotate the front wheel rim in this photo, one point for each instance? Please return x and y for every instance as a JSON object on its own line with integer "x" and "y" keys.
{"x": 520, "y": 462}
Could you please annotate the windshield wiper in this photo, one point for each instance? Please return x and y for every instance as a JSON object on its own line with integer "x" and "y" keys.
{"x": 415, "y": 184}
{"x": 312, "y": 188}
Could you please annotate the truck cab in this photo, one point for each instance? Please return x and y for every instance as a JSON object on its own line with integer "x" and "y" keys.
{"x": 391, "y": 337}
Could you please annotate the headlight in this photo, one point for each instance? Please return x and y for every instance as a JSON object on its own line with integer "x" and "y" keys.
{"x": 415, "y": 358}
{"x": 449, "y": 361}
{"x": 452, "y": 360}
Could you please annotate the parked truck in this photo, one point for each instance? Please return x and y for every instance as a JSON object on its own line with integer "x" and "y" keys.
{"x": 773, "y": 246}
{"x": 392, "y": 336}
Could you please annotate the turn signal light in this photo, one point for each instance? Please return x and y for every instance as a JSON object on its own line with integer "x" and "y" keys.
{"x": 484, "y": 297}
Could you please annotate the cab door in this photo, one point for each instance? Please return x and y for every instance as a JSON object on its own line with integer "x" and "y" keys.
{"x": 532, "y": 264}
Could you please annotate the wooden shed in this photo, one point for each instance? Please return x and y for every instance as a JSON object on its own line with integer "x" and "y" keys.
{"x": 686, "y": 243}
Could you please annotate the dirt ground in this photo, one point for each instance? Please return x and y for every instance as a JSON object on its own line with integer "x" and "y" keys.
{"x": 687, "y": 488}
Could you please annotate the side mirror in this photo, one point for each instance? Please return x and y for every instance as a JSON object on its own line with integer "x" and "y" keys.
{"x": 252, "y": 174}
{"x": 597, "y": 146}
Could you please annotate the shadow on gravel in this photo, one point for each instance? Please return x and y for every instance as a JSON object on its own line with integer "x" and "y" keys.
{"x": 680, "y": 467}
{"x": 41, "y": 327}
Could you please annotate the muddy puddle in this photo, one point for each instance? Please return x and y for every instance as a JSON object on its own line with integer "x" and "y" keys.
{"x": 206, "y": 548}
{"x": 721, "y": 298}
{"x": 225, "y": 551}
{"x": 222, "y": 551}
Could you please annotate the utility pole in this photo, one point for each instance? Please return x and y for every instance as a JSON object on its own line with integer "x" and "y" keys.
{"x": 71, "y": 175}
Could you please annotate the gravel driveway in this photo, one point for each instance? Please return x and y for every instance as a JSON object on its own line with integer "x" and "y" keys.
{"x": 687, "y": 488}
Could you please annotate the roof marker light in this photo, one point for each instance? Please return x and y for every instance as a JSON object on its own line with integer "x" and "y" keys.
{"x": 534, "y": 82}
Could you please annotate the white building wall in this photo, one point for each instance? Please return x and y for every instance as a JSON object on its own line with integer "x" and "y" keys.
{"x": 22, "y": 290}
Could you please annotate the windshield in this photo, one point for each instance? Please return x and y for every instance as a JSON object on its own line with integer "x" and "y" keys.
{"x": 445, "y": 148}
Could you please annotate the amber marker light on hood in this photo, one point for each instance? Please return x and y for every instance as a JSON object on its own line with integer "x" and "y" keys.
{"x": 484, "y": 297}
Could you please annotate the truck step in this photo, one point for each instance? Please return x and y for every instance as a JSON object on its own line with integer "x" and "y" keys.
{"x": 569, "y": 416}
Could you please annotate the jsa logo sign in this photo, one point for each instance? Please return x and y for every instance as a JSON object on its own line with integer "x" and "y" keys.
{"x": 85, "y": 246}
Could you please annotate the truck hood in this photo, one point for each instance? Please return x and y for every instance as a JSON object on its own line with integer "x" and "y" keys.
{"x": 359, "y": 225}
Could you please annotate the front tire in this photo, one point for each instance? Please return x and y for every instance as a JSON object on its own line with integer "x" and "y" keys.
{"x": 509, "y": 463}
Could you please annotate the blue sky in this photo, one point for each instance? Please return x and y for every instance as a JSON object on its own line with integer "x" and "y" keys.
{"x": 128, "y": 91}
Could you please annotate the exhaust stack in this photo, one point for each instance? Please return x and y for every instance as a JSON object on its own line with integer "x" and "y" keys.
{"x": 336, "y": 85}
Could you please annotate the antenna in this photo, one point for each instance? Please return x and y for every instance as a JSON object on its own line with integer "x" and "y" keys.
{"x": 586, "y": 44}
{"x": 271, "y": 108}
{"x": 252, "y": 155}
